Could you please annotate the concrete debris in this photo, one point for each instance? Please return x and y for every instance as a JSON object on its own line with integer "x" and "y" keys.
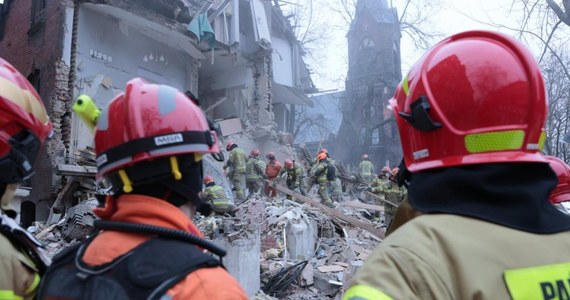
{"x": 277, "y": 248}
{"x": 79, "y": 220}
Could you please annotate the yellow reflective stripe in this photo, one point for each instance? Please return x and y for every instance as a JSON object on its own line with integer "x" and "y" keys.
{"x": 23, "y": 98}
{"x": 494, "y": 141}
{"x": 32, "y": 289}
{"x": 9, "y": 295}
{"x": 541, "y": 140}
{"x": 543, "y": 282}
{"x": 405, "y": 86}
{"x": 364, "y": 292}
{"x": 220, "y": 202}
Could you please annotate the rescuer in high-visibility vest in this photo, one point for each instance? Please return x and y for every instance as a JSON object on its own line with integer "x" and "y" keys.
{"x": 366, "y": 169}
{"x": 216, "y": 197}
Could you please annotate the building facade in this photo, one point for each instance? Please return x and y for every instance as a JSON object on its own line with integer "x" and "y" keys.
{"x": 374, "y": 71}
{"x": 240, "y": 57}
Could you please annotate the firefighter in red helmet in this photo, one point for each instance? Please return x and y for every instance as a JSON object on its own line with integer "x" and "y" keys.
{"x": 272, "y": 170}
{"x": 24, "y": 127}
{"x": 471, "y": 115}
{"x": 255, "y": 172}
{"x": 149, "y": 143}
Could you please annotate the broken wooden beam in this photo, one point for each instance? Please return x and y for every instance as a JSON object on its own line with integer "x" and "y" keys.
{"x": 331, "y": 211}
{"x": 73, "y": 170}
{"x": 356, "y": 204}
{"x": 382, "y": 199}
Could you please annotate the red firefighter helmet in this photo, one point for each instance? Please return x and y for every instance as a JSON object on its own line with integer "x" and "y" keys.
{"x": 24, "y": 125}
{"x": 229, "y": 146}
{"x": 476, "y": 97}
{"x": 270, "y": 155}
{"x": 561, "y": 192}
{"x": 255, "y": 152}
{"x": 394, "y": 171}
{"x": 288, "y": 163}
{"x": 208, "y": 179}
{"x": 386, "y": 169}
{"x": 365, "y": 156}
{"x": 150, "y": 121}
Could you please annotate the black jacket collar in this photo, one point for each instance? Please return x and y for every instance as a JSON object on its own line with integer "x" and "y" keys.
{"x": 509, "y": 194}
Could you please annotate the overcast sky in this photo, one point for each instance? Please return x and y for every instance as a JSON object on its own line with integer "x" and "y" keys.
{"x": 453, "y": 16}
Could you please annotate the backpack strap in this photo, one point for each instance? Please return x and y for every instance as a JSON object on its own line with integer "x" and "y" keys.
{"x": 145, "y": 272}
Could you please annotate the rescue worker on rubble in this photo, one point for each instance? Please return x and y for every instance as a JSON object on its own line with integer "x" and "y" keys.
{"x": 255, "y": 172}
{"x": 319, "y": 175}
{"x": 272, "y": 170}
{"x": 365, "y": 169}
{"x": 335, "y": 190}
{"x": 237, "y": 164}
{"x": 393, "y": 193}
{"x": 149, "y": 143}
{"x": 471, "y": 116}
{"x": 295, "y": 176}
{"x": 215, "y": 196}
{"x": 24, "y": 126}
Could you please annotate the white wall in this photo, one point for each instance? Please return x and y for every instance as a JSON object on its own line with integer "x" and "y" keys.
{"x": 282, "y": 62}
{"x": 109, "y": 53}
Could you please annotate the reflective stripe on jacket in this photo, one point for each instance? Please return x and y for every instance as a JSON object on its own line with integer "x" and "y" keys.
{"x": 216, "y": 195}
{"x": 365, "y": 167}
{"x": 255, "y": 169}
{"x": 236, "y": 160}
{"x": 441, "y": 256}
{"x": 18, "y": 277}
{"x": 320, "y": 171}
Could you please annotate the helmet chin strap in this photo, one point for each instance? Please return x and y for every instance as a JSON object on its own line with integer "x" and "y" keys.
{"x": 7, "y": 192}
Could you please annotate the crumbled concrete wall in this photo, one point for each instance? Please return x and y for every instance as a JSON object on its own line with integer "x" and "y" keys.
{"x": 242, "y": 260}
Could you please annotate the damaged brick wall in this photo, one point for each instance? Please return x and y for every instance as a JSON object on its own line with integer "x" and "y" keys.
{"x": 38, "y": 50}
{"x": 262, "y": 107}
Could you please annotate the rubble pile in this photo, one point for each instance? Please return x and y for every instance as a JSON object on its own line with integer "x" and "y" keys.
{"x": 304, "y": 253}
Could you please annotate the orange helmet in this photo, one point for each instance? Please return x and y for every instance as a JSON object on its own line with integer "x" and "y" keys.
{"x": 288, "y": 164}
{"x": 24, "y": 125}
{"x": 255, "y": 152}
{"x": 365, "y": 156}
{"x": 270, "y": 155}
{"x": 476, "y": 97}
{"x": 561, "y": 192}
{"x": 321, "y": 156}
{"x": 208, "y": 179}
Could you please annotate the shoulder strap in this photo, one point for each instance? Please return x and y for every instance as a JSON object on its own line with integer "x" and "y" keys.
{"x": 145, "y": 272}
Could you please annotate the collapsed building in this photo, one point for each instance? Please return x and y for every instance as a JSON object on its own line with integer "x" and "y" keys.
{"x": 243, "y": 61}
{"x": 240, "y": 57}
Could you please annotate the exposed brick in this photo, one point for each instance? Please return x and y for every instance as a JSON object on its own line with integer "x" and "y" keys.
{"x": 42, "y": 51}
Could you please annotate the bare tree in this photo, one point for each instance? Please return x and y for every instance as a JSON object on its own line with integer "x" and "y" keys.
{"x": 558, "y": 89}
{"x": 414, "y": 17}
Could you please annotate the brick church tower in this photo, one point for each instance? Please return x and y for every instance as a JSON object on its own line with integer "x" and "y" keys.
{"x": 374, "y": 71}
